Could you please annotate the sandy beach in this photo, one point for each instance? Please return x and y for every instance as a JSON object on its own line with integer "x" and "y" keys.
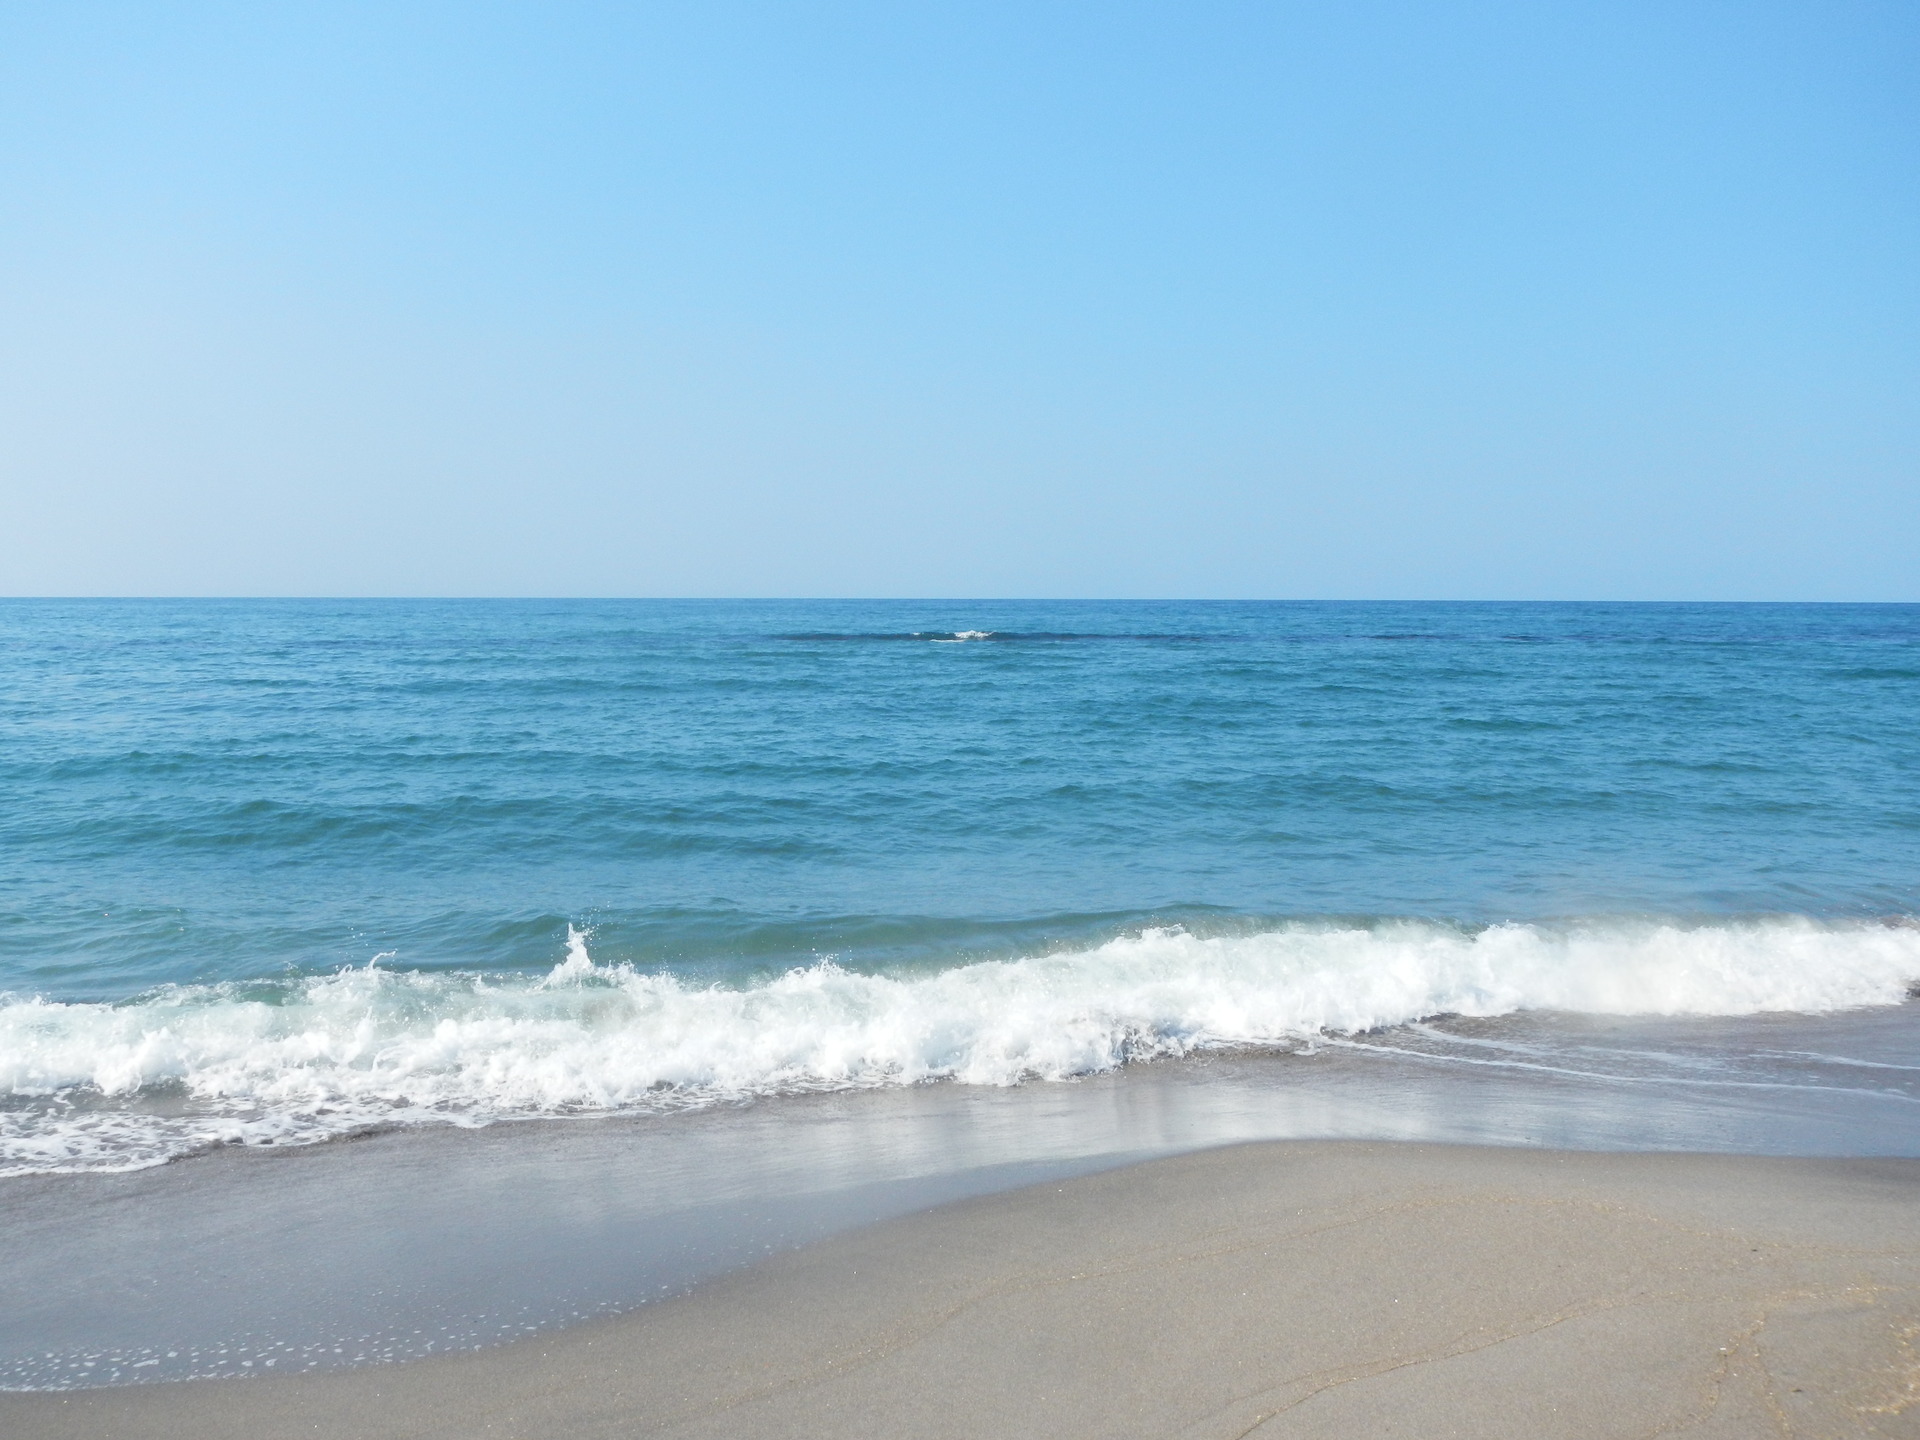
{"x": 1295, "y": 1289}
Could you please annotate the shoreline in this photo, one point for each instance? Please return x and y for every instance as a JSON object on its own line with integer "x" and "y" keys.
{"x": 440, "y": 1240}
{"x": 1279, "y": 1288}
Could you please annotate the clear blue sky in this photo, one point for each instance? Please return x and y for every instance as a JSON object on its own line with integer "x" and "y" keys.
{"x": 1610, "y": 300}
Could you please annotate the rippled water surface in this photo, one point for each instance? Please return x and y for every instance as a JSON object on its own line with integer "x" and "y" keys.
{"x": 274, "y": 871}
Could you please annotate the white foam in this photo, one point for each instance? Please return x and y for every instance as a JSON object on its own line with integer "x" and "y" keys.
{"x": 94, "y": 1086}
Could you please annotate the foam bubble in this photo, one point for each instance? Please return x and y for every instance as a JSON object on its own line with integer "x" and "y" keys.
{"x": 94, "y": 1086}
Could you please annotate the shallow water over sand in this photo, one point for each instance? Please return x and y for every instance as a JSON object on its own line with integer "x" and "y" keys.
{"x": 247, "y": 1261}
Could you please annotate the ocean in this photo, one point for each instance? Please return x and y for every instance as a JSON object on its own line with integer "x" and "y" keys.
{"x": 604, "y": 880}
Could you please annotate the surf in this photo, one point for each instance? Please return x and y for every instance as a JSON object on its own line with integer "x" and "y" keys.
{"x": 86, "y": 1086}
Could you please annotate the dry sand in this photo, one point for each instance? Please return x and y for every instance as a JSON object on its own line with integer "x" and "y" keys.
{"x": 1316, "y": 1289}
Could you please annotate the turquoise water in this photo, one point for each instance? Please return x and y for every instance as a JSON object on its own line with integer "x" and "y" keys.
{"x": 277, "y": 870}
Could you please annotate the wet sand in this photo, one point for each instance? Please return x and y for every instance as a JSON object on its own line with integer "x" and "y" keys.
{"x": 1288, "y": 1289}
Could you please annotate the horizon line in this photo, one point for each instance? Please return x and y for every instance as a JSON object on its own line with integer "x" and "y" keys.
{"x": 898, "y": 600}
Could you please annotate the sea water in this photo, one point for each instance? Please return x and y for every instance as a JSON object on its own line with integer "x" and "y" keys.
{"x": 633, "y": 939}
{"x": 276, "y": 872}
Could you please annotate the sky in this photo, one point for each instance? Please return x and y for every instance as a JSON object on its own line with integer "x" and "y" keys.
{"x": 1338, "y": 300}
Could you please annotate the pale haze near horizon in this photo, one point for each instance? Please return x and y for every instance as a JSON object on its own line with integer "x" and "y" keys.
{"x": 1318, "y": 300}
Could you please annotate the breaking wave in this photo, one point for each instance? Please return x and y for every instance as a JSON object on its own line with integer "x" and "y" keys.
{"x": 182, "y": 1068}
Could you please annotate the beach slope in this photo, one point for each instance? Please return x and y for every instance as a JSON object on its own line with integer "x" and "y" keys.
{"x": 1299, "y": 1289}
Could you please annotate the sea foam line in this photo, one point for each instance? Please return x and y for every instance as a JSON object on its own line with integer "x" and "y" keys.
{"x": 90, "y": 1086}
